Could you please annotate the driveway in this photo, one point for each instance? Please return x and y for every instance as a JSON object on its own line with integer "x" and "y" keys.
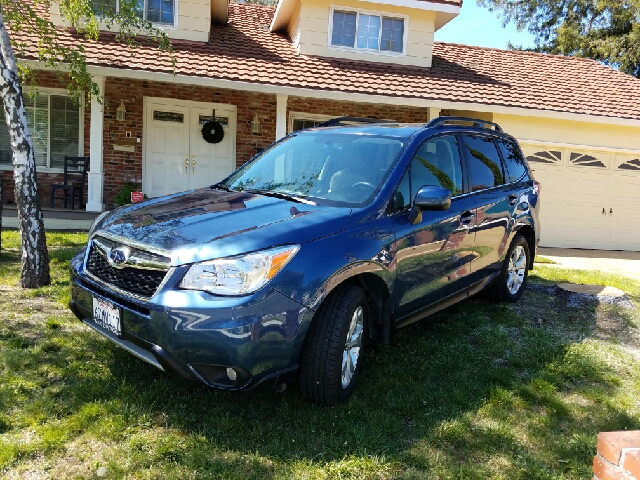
{"x": 622, "y": 263}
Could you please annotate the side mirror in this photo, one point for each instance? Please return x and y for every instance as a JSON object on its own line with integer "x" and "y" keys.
{"x": 433, "y": 198}
{"x": 429, "y": 198}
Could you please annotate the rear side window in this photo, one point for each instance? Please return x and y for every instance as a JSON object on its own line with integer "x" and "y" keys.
{"x": 485, "y": 168}
{"x": 515, "y": 163}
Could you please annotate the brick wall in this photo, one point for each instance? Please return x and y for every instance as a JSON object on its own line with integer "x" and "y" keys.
{"x": 618, "y": 456}
{"x": 120, "y": 167}
{"x": 348, "y": 109}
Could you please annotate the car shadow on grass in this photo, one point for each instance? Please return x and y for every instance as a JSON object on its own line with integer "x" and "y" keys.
{"x": 478, "y": 390}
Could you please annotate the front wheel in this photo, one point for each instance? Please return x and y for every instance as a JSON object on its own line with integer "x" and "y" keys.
{"x": 332, "y": 353}
{"x": 515, "y": 269}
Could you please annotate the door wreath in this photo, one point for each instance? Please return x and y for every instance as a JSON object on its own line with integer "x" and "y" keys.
{"x": 212, "y": 132}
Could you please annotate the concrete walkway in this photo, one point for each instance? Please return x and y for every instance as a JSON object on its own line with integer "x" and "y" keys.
{"x": 54, "y": 218}
{"x": 619, "y": 262}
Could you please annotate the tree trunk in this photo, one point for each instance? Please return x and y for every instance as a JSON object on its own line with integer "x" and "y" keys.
{"x": 35, "y": 258}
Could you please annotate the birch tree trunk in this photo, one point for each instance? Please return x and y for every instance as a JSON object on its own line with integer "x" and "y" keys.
{"x": 35, "y": 258}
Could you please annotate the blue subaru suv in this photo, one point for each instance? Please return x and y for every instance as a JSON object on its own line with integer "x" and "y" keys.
{"x": 331, "y": 238}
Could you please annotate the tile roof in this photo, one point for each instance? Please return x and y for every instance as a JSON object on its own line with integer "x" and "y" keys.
{"x": 244, "y": 50}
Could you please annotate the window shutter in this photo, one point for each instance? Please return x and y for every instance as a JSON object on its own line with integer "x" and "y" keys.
{"x": 37, "y": 109}
{"x": 65, "y": 121}
{"x": 6, "y": 154}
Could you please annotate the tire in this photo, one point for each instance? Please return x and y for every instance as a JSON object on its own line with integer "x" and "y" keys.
{"x": 328, "y": 373}
{"x": 514, "y": 273}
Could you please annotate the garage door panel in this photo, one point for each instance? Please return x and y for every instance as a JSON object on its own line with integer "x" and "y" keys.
{"x": 589, "y": 198}
{"x": 551, "y": 181}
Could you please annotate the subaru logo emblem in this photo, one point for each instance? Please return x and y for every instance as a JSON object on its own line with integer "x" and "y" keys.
{"x": 118, "y": 256}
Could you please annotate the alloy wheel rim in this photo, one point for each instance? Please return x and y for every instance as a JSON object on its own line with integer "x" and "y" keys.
{"x": 351, "y": 352}
{"x": 516, "y": 270}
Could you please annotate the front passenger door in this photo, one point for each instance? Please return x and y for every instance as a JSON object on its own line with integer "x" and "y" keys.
{"x": 432, "y": 257}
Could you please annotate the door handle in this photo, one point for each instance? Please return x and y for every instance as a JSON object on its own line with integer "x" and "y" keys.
{"x": 513, "y": 199}
{"x": 467, "y": 217}
{"x": 193, "y": 165}
{"x": 186, "y": 165}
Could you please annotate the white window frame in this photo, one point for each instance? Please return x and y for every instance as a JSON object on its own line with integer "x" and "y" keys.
{"x": 370, "y": 51}
{"x": 314, "y": 117}
{"x": 166, "y": 26}
{"x": 62, "y": 93}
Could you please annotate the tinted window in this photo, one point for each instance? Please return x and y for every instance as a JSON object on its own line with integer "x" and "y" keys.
{"x": 484, "y": 162}
{"x": 402, "y": 198}
{"x": 338, "y": 166}
{"x": 514, "y": 161}
{"x": 437, "y": 162}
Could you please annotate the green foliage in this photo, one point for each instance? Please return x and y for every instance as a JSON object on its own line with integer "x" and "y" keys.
{"x": 478, "y": 391}
{"x": 605, "y": 30}
{"x": 68, "y": 58}
{"x": 124, "y": 195}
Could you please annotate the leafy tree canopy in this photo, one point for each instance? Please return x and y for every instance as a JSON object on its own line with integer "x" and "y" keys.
{"x": 605, "y": 30}
{"x": 29, "y": 25}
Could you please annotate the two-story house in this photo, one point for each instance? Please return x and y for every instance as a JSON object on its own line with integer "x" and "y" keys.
{"x": 265, "y": 72}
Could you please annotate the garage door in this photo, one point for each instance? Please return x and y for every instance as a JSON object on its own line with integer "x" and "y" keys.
{"x": 590, "y": 198}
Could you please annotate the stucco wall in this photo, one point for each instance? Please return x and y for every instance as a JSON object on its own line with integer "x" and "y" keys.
{"x": 570, "y": 132}
{"x": 193, "y": 20}
{"x": 312, "y": 21}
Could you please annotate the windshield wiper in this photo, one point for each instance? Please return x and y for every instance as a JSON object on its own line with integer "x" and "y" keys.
{"x": 284, "y": 196}
{"x": 221, "y": 186}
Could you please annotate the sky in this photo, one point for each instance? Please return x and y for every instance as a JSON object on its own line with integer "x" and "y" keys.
{"x": 478, "y": 26}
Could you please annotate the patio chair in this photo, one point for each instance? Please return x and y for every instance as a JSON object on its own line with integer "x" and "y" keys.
{"x": 75, "y": 173}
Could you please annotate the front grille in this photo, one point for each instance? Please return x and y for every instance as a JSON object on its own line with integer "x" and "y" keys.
{"x": 136, "y": 281}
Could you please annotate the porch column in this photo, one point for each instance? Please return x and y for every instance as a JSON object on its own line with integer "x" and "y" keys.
{"x": 433, "y": 113}
{"x": 281, "y": 116}
{"x": 95, "y": 175}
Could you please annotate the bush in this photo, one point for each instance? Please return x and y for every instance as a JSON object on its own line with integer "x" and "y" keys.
{"x": 124, "y": 196}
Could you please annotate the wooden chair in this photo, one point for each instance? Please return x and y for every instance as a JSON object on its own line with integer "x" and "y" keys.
{"x": 75, "y": 173}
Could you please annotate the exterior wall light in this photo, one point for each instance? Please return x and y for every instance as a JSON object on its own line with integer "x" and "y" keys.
{"x": 121, "y": 111}
{"x": 255, "y": 125}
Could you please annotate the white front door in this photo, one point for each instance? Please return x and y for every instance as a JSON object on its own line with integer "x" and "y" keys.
{"x": 176, "y": 157}
{"x": 210, "y": 162}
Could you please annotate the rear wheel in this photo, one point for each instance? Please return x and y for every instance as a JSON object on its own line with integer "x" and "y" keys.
{"x": 332, "y": 353}
{"x": 515, "y": 269}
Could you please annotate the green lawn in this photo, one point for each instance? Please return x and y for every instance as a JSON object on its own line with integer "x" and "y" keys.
{"x": 480, "y": 390}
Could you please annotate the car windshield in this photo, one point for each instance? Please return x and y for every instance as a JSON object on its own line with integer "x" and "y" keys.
{"x": 324, "y": 166}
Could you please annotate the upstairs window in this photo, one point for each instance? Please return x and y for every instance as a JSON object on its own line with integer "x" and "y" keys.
{"x": 367, "y": 31}
{"x": 157, "y": 11}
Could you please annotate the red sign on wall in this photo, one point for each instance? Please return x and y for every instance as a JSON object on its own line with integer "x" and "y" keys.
{"x": 137, "y": 197}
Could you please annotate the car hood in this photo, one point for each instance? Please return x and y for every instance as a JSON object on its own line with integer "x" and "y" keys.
{"x": 209, "y": 223}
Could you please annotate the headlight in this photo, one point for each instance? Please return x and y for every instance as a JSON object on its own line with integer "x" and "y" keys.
{"x": 238, "y": 275}
{"x": 96, "y": 222}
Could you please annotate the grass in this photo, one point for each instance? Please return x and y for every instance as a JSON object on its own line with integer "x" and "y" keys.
{"x": 541, "y": 259}
{"x": 480, "y": 390}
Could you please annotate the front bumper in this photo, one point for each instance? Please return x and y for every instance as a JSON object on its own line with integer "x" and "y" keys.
{"x": 197, "y": 335}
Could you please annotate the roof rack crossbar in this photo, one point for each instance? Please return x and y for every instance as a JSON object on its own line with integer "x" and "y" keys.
{"x": 350, "y": 120}
{"x": 436, "y": 122}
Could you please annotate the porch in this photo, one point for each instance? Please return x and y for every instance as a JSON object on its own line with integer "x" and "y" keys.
{"x": 54, "y": 218}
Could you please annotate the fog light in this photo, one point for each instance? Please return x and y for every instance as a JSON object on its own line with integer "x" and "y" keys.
{"x": 231, "y": 373}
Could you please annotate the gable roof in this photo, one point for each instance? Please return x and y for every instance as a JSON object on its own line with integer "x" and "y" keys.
{"x": 245, "y": 50}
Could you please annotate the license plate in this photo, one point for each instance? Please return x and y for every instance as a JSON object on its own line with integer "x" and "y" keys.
{"x": 107, "y": 315}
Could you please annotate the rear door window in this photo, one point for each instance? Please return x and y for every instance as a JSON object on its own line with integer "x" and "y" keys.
{"x": 485, "y": 167}
{"x": 516, "y": 165}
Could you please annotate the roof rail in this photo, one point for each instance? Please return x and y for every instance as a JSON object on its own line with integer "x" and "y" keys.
{"x": 350, "y": 121}
{"x": 437, "y": 122}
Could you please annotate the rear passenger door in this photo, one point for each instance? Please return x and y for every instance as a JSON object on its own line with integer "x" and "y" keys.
{"x": 495, "y": 199}
{"x": 432, "y": 257}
